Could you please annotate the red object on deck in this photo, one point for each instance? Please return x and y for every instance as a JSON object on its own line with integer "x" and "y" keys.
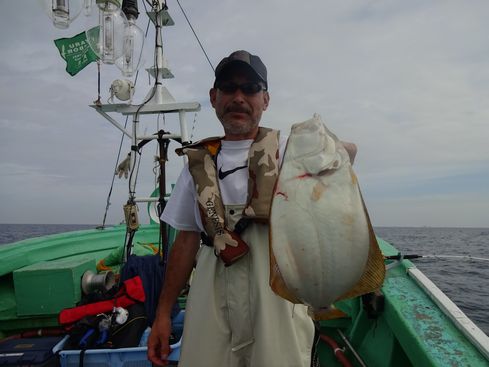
{"x": 132, "y": 291}
{"x": 338, "y": 352}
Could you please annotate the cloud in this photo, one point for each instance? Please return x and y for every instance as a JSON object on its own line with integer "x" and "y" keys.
{"x": 434, "y": 210}
{"x": 408, "y": 82}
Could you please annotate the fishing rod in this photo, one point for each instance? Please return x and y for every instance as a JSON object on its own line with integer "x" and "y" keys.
{"x": 400, "y": 256}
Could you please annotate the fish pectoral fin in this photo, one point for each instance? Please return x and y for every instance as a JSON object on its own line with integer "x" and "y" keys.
{"x": 277, "y": 282}
{"x": 374, "y": 273}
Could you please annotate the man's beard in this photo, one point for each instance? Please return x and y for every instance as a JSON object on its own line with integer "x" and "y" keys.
{"x": 238, "y": 127}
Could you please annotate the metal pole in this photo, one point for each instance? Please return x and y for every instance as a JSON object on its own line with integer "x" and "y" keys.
{"x": 134, "y": 149}
{"x": 130, "y": 209}
{"x": 113, "y": 122}
{"x": 163, "y": 147}
{"x": 183, "y": 127}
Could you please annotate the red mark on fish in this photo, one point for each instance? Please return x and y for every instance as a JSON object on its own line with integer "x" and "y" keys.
{"x": 300, "y": 177}
{"x": 282, "y": 194}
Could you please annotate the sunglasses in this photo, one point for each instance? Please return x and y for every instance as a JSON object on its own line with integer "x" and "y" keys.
{"x": 247, "y": 88}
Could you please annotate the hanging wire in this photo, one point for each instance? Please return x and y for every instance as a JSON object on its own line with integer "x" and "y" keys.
{"x": 113, "y": 178}
{"x": 196, "y": 37}
{"x": 137, "y": 168}
{"x": 193, "y": 127}
{"x": 155, "y": 162}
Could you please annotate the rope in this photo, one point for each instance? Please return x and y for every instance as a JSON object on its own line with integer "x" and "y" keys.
{"x": 400, "y": 256}
{"x": 355, "y": 354}
{"x": 195, "y": 34}
{"x": 113, "y": 179}
{"x": 465, "y": 257}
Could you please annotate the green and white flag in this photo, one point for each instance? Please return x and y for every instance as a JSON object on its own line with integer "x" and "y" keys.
{"x": 76, "y": 52}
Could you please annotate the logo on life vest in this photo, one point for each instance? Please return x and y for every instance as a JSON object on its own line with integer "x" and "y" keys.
{"x": 212, "y": 214}
{"x": 223, "y": 174}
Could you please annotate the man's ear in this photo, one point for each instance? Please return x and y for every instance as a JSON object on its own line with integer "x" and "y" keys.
{"x": 266, "y": 100}
{"x": 212, "y": 96}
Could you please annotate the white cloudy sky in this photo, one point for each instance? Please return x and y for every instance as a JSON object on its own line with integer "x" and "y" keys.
{"x": 407, "y": 81}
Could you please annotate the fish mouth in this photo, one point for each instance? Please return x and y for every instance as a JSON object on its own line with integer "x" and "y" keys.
{"x": 311, "y": 145}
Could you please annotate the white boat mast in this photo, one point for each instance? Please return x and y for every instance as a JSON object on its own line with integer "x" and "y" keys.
{"x": 158, "y": 100}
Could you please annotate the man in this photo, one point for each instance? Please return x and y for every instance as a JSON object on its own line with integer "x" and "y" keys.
{"x": 232, "y": 318}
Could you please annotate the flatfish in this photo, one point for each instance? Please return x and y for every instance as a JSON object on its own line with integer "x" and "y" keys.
{"x": 322, "y": 245}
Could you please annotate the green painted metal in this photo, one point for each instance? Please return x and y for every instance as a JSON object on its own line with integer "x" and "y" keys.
{"x": 93, "y": 244}
{"x": 46, "y": 287}
{"x": 411, "y": 331}
{"x": 97, "y": 242}
{"x": 420, "y": 325}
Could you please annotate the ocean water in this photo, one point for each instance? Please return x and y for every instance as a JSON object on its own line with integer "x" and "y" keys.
{"x": 17, "y": 232}
{"x": 465, "y": 281}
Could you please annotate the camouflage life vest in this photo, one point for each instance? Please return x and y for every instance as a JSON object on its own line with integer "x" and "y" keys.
{"x": 263, "y": 173}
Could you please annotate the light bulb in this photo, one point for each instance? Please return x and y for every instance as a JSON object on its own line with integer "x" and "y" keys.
{"x": 133, "y": 42}
{"x": 62, "y": 12}
{"x": 107, "y": 28}
{"x": 106, "y": 40}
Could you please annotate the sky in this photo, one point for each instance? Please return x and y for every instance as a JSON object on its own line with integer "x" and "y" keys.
{"x": 407, "y": 81}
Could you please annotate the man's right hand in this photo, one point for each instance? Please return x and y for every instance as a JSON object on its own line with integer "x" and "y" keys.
{"x": 158, "y": 341}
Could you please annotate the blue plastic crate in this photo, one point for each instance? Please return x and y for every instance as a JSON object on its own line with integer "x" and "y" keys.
{"x": 123, "y": 357}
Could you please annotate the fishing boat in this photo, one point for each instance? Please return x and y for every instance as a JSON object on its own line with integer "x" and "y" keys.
{"x": 408, "y": 322}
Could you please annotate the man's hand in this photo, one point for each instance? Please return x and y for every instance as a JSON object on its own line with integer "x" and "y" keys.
{"x": 158, "y": 341}
{"x": 351, "y": 149}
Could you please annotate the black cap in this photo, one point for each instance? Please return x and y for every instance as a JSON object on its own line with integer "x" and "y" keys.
{"x": 244, "y": 58}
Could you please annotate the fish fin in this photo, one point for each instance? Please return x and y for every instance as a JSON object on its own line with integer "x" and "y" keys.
{"x": 276, "y": 280}
{"x": 374, "y": 273}
{"x": 329, "y": 313}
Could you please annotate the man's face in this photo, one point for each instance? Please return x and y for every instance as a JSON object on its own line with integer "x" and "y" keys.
{"x": 239, "y": 112}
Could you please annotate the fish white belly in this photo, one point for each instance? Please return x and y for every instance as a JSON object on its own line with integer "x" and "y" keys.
{"x": 319, "y": 228}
